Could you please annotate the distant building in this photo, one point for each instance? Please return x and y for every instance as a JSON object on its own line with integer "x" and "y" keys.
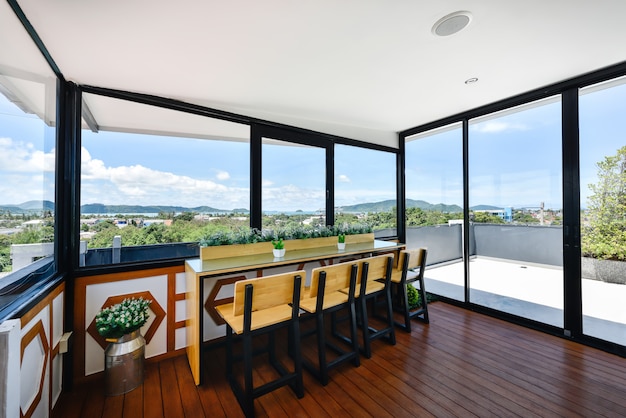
{"x": 35, "y": 223}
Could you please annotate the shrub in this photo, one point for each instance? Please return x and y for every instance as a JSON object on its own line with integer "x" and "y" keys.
{"x": 122, "y": 318}
{"x": 413, "y": 296}
{"x": 604, "y": 236}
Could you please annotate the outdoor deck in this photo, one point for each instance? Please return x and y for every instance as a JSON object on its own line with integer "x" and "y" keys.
{"x": 462, "y": 364}
{"x": 533, "y": 291}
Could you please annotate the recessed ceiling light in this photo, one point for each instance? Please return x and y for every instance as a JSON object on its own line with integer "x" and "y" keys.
{"x": 471, "y": 80}
{"x": 452, "y": 23}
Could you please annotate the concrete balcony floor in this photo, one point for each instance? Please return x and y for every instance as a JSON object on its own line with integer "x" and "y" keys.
{"x": 533, "y": 291}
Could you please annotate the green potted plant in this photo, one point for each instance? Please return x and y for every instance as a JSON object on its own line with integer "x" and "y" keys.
{"x": 123, "y": 318}
{"x": 341, "y": 241}
{"x": 124, "y": 357}
{"x": 279, "y": 247}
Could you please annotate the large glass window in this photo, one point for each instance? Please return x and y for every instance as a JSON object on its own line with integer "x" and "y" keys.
{"x": 27, "y": 150}
{"x": 156, "y": 176}
{"x": 294, "y": 184}
{"x": 603, "y": 214}
{"x": 27, "y": 164}
{"x": 434, "y": 206}
{"x": 515, "y": 195}
{"x": 365, "y": 189}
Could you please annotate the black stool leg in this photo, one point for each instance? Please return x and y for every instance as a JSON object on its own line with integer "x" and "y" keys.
{"x": 390, "y": 324}
{"x": 298, "y": 387}
{"x": 367, "y": 348}
{"x": 248, "y": 404}
{"x": 354, "y": 335}
{"x": 321, "y": 347}
{"x": 424, "y": 301}
{"x": 405, "y": 307}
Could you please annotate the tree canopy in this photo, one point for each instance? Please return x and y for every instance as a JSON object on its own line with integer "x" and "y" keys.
{"x": 604, "y": 235}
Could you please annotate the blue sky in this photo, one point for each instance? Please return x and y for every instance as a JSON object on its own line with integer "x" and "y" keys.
{"x": 26, "y": 156}
{"x": 514, "y": 161}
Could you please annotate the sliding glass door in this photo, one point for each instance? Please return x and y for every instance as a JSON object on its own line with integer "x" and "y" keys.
{"x": 434, "y": 206}
{"x": 603, "y": 209}
{"x": 515, "y": 196}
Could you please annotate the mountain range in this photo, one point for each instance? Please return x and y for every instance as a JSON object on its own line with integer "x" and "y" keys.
{"x": 98, "y": 208}
{"x": 387, "y": 205}
{"x": 28, "y": 207}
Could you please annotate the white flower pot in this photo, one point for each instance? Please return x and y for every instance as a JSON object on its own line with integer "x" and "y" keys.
{"x": 279, "y": 253}
{"x": 341, "y": 245}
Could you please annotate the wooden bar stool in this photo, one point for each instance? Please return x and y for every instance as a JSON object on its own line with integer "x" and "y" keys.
{"x": 325, "y": 297}
{"x": 376, "y": 271}
{"x": 410, "y": 269}
{"x": 262, "y": 305}
{"x": 375, "y": 281}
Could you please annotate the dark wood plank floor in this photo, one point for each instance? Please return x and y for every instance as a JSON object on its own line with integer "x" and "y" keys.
{"x": 463, "y": 364}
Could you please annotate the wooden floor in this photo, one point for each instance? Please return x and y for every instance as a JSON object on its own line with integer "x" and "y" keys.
{"x": 463, "y": 364}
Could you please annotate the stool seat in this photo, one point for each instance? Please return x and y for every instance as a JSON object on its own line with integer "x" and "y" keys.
{"x": 411, "y": 275}
{"x": 330, "y": 300}
{"x": 260, "y": 319}
{"x": 370, "y": 287}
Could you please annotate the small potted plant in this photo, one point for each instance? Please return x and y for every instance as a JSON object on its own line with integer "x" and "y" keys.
{"x": 279, "y": 247}
{"x": 124, "y": 357}
{"x": 341, "y": 241}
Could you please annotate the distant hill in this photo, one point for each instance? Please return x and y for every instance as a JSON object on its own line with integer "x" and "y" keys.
{"x": 99, "y": 208}
{"x": 387, "y": 205}
{"x": 485, "y": 207}
{"x": 29, "y": 207}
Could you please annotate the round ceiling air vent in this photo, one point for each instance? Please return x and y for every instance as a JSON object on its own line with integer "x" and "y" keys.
{"x": 452, "y": 23}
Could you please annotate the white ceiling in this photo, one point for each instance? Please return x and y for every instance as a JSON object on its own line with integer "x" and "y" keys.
{"x": 362, "y": 69}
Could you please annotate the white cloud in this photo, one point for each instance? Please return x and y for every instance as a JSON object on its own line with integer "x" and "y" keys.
{"x": 22, "y": 157}
{"x": 223, "y": 175}
{"x": 343, "y": 178}
{"x": 291, "y": 198}
{"x": 499, "y": 126}
{"x": 25, "y": 172}
{"x": 141, "y": 185}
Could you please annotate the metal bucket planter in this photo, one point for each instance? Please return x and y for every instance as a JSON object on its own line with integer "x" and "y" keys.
{"x": 124, "y": 364}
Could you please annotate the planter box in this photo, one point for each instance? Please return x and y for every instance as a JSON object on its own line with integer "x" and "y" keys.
{"x": 223, "y": 251}
{"x": 609, "y": 271}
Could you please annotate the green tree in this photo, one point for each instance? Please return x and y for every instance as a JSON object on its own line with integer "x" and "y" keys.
{"x": 605, "y": 234}
{"x": 185, "y": 216}
{"x": 27, "y": 236}
{"x": 524, "y": 218}
{"x": 487, "y": 218}
{"x": 382, "y": 220}
{"x": 5, "y": 253}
